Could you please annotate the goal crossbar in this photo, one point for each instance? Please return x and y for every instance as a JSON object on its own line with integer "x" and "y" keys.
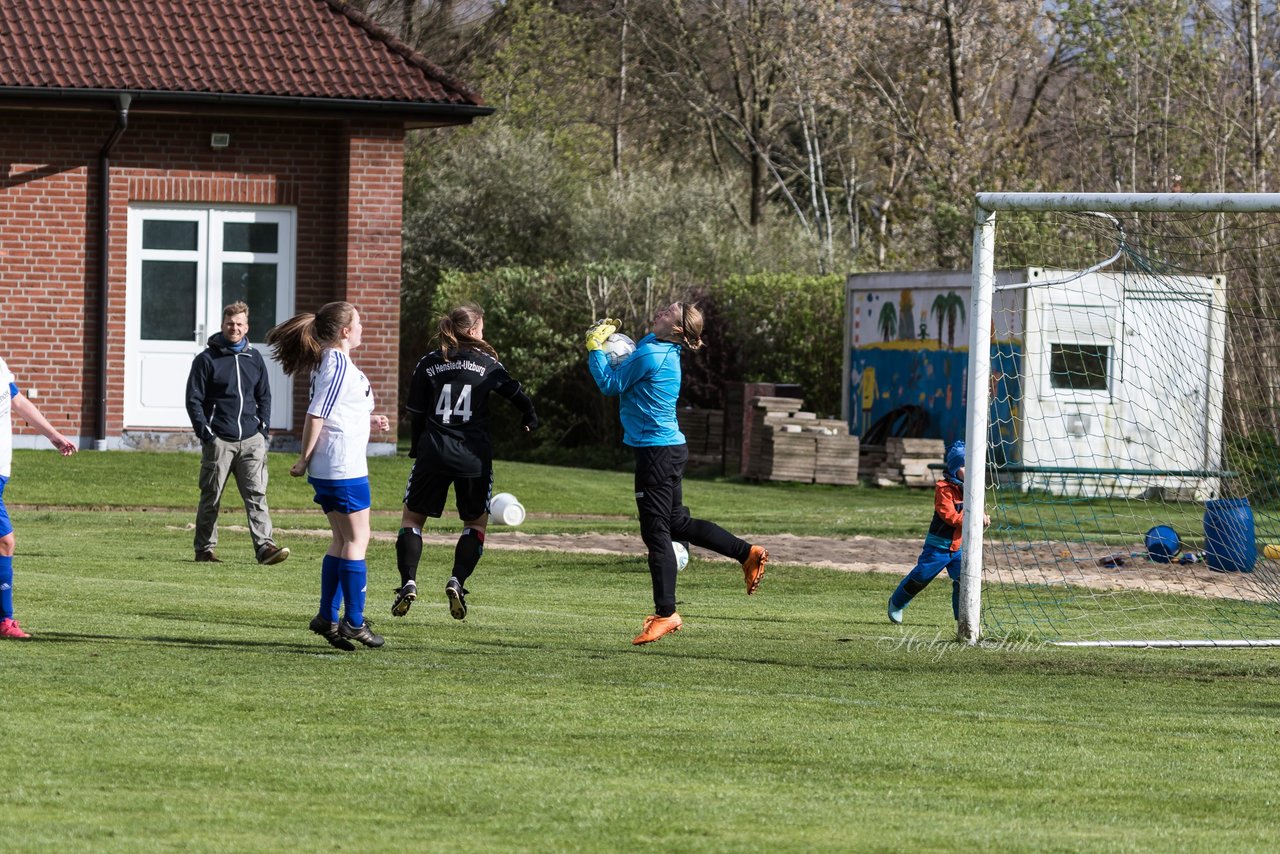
{"x": 1202, "y": 202}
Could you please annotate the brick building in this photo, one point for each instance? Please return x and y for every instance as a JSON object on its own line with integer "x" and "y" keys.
{"x": 161, "y": 158}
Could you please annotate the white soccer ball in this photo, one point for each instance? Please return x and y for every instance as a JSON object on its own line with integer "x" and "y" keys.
{"x": 682, "y": 555}
{"x": 617, "y": 347}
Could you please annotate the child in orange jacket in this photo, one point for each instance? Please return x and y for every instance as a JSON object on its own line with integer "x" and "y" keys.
{"x": 942, "y": 543}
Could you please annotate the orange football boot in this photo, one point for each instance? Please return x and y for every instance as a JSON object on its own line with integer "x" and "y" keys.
{"x": 753, "y": 568}
{"x": 655, "y": 627}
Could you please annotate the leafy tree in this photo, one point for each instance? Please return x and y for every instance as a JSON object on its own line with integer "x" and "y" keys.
{"x": 782, "y": 328}
{"x": 1159, "y": 103}
{"x": 536, "y": 319}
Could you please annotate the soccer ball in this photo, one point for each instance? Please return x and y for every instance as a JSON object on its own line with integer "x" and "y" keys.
{"x": 617, "y": 347}
{"x": 682, "y": 555}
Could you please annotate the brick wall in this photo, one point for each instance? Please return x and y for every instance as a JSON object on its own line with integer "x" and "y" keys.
{"x": 347, "y": 248}
{"x": 45, "y": 265}
{"x": 369, "y": 237}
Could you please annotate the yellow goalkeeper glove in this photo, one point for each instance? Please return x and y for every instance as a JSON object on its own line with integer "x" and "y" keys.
{"x": 597, "y": 334}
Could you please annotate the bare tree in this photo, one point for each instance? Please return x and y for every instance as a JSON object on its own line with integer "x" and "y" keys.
{"x": 722, "y": 60}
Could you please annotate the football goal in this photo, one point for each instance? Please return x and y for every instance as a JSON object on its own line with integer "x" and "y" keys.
{"x": 1124, "y": 395}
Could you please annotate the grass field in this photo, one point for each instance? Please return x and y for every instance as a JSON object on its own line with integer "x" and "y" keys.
{"x": 166, "y": 705}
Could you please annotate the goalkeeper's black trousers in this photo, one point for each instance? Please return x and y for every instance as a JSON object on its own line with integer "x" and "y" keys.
{"x": 664, "y": 518}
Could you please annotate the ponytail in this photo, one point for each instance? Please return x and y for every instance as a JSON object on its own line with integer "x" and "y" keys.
{"x": 299, "y": 343}
{"x": 690, "y": 328}
{"x": 454, "y": 332}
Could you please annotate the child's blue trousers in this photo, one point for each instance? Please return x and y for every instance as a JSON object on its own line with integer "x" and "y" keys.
{"x": 933, "y": 560}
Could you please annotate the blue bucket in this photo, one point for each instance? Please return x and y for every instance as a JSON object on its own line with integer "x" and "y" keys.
{"x": 1229, "y": 543}
{"x": 1163, "y": 544}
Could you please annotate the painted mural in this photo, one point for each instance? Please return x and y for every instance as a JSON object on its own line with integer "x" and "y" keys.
{"x": 910, "y": 346}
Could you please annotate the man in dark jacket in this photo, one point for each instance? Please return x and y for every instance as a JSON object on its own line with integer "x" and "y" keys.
{"x": 229, "y": 401}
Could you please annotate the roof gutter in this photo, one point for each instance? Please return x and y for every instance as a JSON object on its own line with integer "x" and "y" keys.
{"x": 104, "y": 260}
{"x": 417, "y": 109}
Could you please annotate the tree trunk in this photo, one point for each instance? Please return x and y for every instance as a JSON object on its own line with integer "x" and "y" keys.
{"x": 621, "y": 104}
{"x": 956, "y": 90}
{"x": 1255, "y": 99}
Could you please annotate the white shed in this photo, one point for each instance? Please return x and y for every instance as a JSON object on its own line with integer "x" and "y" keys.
{"x": 1102, "y": 383}
{"x": 1122, "y": 383}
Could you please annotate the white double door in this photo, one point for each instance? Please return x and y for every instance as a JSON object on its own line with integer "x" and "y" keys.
{"x": 184, "y": 265}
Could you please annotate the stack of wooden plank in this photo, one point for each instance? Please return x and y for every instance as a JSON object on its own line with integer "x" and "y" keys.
{"x": 733, "y": 409}
{"x": 715, "y": 433}
{"x": 703, "y": 429}
{"x": 871, "y": 460}
{"x": 739, "y": 399}
{"x": 902, "y": 461}
{"x": 778, "y": 446}
{"x": 693, "y": 424}
{"x": 787, "y": 443}
{"x": 779, "y": 440}
{"x": 837, "y": 454}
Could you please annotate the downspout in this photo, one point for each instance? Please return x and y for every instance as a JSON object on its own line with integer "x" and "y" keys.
{"x": 104, "y": 261}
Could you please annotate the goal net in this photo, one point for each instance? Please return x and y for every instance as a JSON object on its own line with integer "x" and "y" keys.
{"x": 1125, "y": 392}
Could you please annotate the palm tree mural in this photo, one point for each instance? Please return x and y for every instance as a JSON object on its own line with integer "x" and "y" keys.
{"x": 955, "y": 307}
{"x": 946, "y": 308}
{"x": 888, "y": 321}
{"x": 939, "y": 310}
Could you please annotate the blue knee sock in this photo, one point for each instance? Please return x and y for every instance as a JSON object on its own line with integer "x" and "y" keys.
{"x": 955, "y": 599}
{"x": 354, "y": 577}
{"x": 330, "y": 590}
{"x": 6, "y": 587}
{"x": 898, "y": 599}
{"x": 906, "y": 590}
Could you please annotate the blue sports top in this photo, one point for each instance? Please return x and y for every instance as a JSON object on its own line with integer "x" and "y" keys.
{"x": 649, "y": 384}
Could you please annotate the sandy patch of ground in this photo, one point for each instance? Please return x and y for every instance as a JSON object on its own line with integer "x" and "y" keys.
{"x": 857, "y": 554}
{"x": 1037, "y": 563}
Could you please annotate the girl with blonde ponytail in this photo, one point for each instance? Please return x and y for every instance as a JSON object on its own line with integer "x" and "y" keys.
{"x": 648, "y": 385}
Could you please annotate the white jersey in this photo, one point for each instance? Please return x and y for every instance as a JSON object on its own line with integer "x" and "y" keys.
{"x": 6, "y": 419}
{"x": 340, "y": 394}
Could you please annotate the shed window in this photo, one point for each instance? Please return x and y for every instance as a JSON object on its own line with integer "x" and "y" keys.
{"x": 1079, "y": 367}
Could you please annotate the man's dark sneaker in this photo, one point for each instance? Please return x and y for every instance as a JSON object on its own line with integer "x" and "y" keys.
{"x": 207, "y": 557}
{"x": 457, "y": 595}
{"x": 270, "y": 554}
{"x": 328, "y": 630}
{"x": 363, "y": 633}
{"x": 404, "y": 598}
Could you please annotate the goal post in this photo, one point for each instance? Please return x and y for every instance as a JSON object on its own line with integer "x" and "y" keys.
{"x": 969, "y": 619}
{"x": 1124, "y": 439}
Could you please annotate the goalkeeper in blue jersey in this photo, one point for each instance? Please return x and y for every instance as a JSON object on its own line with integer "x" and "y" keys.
{"x": 942, "y": 543}
{"x": 648, "y": 383}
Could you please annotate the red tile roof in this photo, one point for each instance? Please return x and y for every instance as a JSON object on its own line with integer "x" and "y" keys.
{"x": 289, "y": 48}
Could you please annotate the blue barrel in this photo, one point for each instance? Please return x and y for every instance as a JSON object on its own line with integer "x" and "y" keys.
{"x": 1163, "y": 544}
{"x": 1229, "y": 544}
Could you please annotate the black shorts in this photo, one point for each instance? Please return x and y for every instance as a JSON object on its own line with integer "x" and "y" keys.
{"x": 659, "y": 482}
{"x": 428, "y": 489}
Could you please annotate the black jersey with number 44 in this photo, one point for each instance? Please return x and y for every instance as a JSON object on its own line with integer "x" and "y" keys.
{"x": 449, "y": 404}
